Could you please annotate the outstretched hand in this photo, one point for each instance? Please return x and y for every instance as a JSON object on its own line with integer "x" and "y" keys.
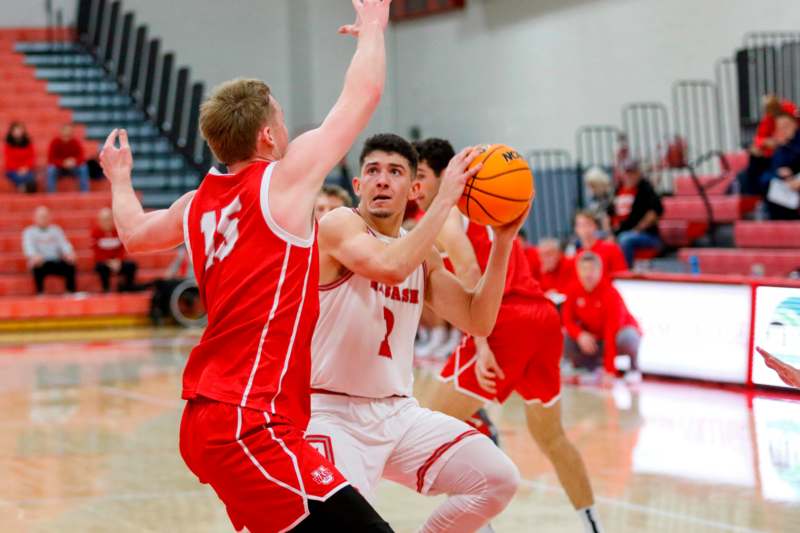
{"x": 456, "y": 175}
{"x": 368, "y": 12}
{"x": 117, "y": 163}
{"x": 787, "y": 373}
{"x": 511, "y": 230}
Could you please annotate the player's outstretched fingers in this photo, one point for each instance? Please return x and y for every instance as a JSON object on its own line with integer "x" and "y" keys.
{"x": 123, "y": 139}
{"x": 111, "y": 140}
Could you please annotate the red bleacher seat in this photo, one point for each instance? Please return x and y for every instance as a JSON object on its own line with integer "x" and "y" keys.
{"x": 713, "y": 185}
{"x": 726, "y": 209}
{"x": 96, "y": 305}
{"x": 14, "y": 263}
{"x": 22, "y": 284}
{"x": 737, "y": 161}
{"x": 772, "y": 234}
{"x": 677, "y": 233}
{"x": 777, "y": 263}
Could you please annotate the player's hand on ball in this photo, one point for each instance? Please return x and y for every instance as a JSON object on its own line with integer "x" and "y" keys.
{"x": 117, "y": 163}
{"x": 368, "y": 12}
{"x": 511, "y": 230}
{"x": 487, "y": 370}
{"x": 455, "y": 176}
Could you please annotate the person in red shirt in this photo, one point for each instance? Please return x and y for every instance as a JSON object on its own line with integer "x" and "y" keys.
{"x": 557, "y": 271}
{"x": 109, "y": 254}
{"x": 20, "y": 158}
{"x": 587, "y": 230}
{"x": 764, "y": 144}
{"x": 598, "y": 323}
{"x": 65, "y": 158}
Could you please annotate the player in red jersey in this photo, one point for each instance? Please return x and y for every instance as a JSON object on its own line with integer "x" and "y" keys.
{"x": 522, "y": 354}
{"x": 251, "y": 236}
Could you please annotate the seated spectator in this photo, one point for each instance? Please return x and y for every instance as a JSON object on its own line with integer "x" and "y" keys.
{"x": 635, "y": 212}
{"x": 557, "y": 271}
{"x": 764, "y": 144}
{"x": 66, "y": 158}
{"x": 785, "y": 166}
{"x": 20, "y": 158}
{"x": 601, "y": 195}
{"x": 587, "y": 229}
{"x": 598, "y": 323}
{"x": 329, "y": 198}
{"x": 109, "y": 255}
{"x": 48, "y": 251}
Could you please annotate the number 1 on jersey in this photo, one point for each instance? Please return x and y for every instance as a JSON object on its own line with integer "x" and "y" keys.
{"x": 386, "y": 350}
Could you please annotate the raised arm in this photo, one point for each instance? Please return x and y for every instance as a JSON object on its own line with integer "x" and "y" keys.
{"x": 311, "y": 156}
{"x": 139, "y": 231}
{"x": 474, "y": 311}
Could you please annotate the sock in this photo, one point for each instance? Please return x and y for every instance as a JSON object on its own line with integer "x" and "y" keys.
{"x": 589, "y": 519}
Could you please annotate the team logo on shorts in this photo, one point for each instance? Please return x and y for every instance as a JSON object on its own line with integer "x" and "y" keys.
{"x": 322, "y": 475}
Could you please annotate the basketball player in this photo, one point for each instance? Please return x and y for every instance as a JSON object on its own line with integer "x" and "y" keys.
{"x": 523, "y": 352}
{"x": 251, "y": 236}
{"x": 375, "y": 279}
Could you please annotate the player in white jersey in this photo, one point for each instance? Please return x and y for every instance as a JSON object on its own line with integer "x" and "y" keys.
{"x": 374, "y": 280}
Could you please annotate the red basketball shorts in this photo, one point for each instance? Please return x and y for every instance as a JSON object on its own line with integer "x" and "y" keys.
{"x": 527, "y": 342}
{"x": 261, "y": 468}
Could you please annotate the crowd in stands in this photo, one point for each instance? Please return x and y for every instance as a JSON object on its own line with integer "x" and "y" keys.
{"x": 774, "y": 166}
{"x": 65, "y": 158}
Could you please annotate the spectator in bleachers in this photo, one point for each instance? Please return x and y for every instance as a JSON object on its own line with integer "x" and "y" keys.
{"x": 48, "y": 251}
{"x": 764, "y": 144}
{"x": 635, "y": 213}
{"x": 601, "y": 195}
{"x": 109, "y": 255}
{"x": 66, "y": 158}
{"x": 331, "y": 197}
{"x": 598, "y": 323}
{"x": 557, "y": 270}
{"x": 20, "y": 158}
{"x": 587, "y": 231}
{"x": 784, "y": 168}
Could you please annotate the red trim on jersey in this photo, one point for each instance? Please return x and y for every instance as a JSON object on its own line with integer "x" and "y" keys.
{"x": 337, "y": 393}
{"x": 332, "y": 285}
{"x": 423, "y": 470}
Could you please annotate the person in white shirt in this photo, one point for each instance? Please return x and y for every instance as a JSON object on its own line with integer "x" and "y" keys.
{"x": 48, "y": 251}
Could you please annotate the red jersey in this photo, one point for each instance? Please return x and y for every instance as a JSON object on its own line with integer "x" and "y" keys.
{"x": 601, "y": 312}
{"x": 259, "y": 286}
{"x": 519, "y": 280}
{"x": 561, "y": 278}
{"x": 534, "y": 261}
{"x": 61, "y": 150}
{"x": 106, "y": 245}
{"x": 611, "y": 255}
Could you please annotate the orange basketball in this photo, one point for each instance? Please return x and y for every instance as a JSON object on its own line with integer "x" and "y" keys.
{"x": 501, "y": 191}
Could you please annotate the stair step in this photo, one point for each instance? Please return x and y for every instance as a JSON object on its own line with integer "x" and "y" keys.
{"x": 95, "y": 102}
{"x": 108, "y": 116}
{"x": 59, "y": 60}
{"x": 163, "y": 181}
{"x": 162, "y": 199}
{"x": 82, "y": 87}
{"x": 33, "y": 47}
{"x": 139, "y": 131}
{"x": 71, "y": 74}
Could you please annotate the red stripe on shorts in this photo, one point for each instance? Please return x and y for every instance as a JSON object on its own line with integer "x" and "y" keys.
{"x": 437, "y": 454}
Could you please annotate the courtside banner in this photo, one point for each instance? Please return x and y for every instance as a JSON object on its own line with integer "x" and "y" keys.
{"x": 692, "y": 330}
{"x": 777, "y": 330}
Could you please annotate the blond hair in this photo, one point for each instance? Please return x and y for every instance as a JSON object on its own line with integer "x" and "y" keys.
{"x": 232, "y": 116}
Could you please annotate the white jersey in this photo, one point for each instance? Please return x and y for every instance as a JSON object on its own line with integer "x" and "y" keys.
{"x": 363, "y": 344}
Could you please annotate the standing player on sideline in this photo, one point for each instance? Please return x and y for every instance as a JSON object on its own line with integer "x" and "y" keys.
{"x": 251, "y": 237}
{"x": 375, "y": 279}
{"x": 522, "y": 354}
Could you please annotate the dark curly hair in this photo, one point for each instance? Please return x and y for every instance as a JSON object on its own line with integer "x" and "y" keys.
{"x": 391, "y": 144}
{"x": 437, "y": 153}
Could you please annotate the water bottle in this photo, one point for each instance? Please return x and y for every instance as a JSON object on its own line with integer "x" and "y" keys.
{"x": 694, "y": 264}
